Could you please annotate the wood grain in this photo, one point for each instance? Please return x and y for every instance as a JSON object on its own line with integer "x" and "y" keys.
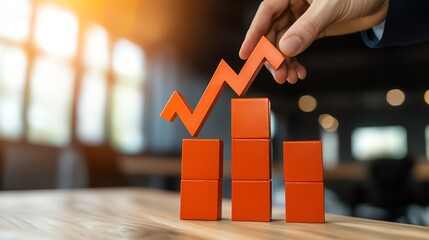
{"x": 136, "y": 213}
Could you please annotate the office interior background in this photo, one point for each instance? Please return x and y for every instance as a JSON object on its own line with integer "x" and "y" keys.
{"x": 82, "y": 84}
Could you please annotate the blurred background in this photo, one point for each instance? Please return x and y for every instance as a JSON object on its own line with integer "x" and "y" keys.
{"x": 82, "y": 83}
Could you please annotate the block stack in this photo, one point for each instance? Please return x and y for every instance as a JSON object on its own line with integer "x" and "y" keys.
{"x": 201, "y": 184}
{"x": 251, "y": 159}
{"x": 303, "y": 175}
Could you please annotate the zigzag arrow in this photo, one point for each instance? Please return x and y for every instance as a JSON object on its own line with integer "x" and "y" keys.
{"x": 240, "y": 83}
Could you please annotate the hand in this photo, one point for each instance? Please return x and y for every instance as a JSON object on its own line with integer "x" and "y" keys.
{"x": 293, "y": 25}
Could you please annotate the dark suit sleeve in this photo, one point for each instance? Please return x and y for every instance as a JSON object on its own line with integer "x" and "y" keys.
{"x": 407, "y": 22}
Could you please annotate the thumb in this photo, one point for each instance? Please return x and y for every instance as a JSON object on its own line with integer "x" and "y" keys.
{"x": 305, "y": 29}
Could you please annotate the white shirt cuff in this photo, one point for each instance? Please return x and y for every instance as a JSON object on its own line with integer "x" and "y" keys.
{"x": 379, "y": 30}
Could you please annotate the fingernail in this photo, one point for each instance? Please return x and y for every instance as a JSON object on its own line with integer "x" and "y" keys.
{"x": 291, "y": 45}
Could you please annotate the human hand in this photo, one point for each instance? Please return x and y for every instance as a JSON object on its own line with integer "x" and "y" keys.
{"x": 293, "y": 25}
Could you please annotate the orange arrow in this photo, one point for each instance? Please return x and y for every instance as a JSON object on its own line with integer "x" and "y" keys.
{"x": 195, "y": 119}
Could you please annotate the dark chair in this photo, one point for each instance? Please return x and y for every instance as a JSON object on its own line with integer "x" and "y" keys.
{"x": 26, "y": 166}
{"x": 102, "y": 166}
{"x": 388, "y": 189}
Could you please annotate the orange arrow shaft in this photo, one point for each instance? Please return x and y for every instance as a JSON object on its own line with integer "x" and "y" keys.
{"x": 240, "y": 83}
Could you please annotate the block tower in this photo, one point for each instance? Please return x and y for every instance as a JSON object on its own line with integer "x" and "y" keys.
{"x": 201, "y": 184}
{"x": 251, "y": 159}
{"x": 303, "y": 175}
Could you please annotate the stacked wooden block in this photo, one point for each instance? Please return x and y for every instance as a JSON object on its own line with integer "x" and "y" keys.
{"x": 303, "y": 174}
{"x": 202, "y": 171}
{"x": 251, "y": 159}
{"x": 201, "y": 185}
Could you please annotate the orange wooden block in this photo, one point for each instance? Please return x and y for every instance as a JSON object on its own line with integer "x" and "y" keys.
{"x": 305, "y": 202}
{"x": 201, "y": 200}
{"x": 251, "y": 159}
{"x": 251, "y": 201}
{"x": 302, "y": 161}
{"x": 202, "y": 159}
{"x": 250, "y": 118}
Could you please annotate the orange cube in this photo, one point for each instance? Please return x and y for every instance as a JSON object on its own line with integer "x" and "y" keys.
{"x": 201, "y": 200}
{"x": 202, "y": 159}
{"x": 251, "y": 201}
{"x": 251, "y": 159}
{"x": 302, "y": 161}
{"x": 250, "y": 118}
{"x": 305, "y": 202}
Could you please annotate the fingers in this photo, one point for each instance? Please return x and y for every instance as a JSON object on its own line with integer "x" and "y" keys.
{"x": 273, "y": 72}
{"x": 267, "y": 12}
{"x": 281, "y": 74}
{"x": 272, "y": 19}
{"x": 290, "y": 71}
{"x": 295, "y": 71}
{"x": 307, "y": 28}
{"x": 300, "y": 70}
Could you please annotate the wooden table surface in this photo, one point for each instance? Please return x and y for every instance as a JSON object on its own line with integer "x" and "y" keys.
{"x": 138, "y": 213}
